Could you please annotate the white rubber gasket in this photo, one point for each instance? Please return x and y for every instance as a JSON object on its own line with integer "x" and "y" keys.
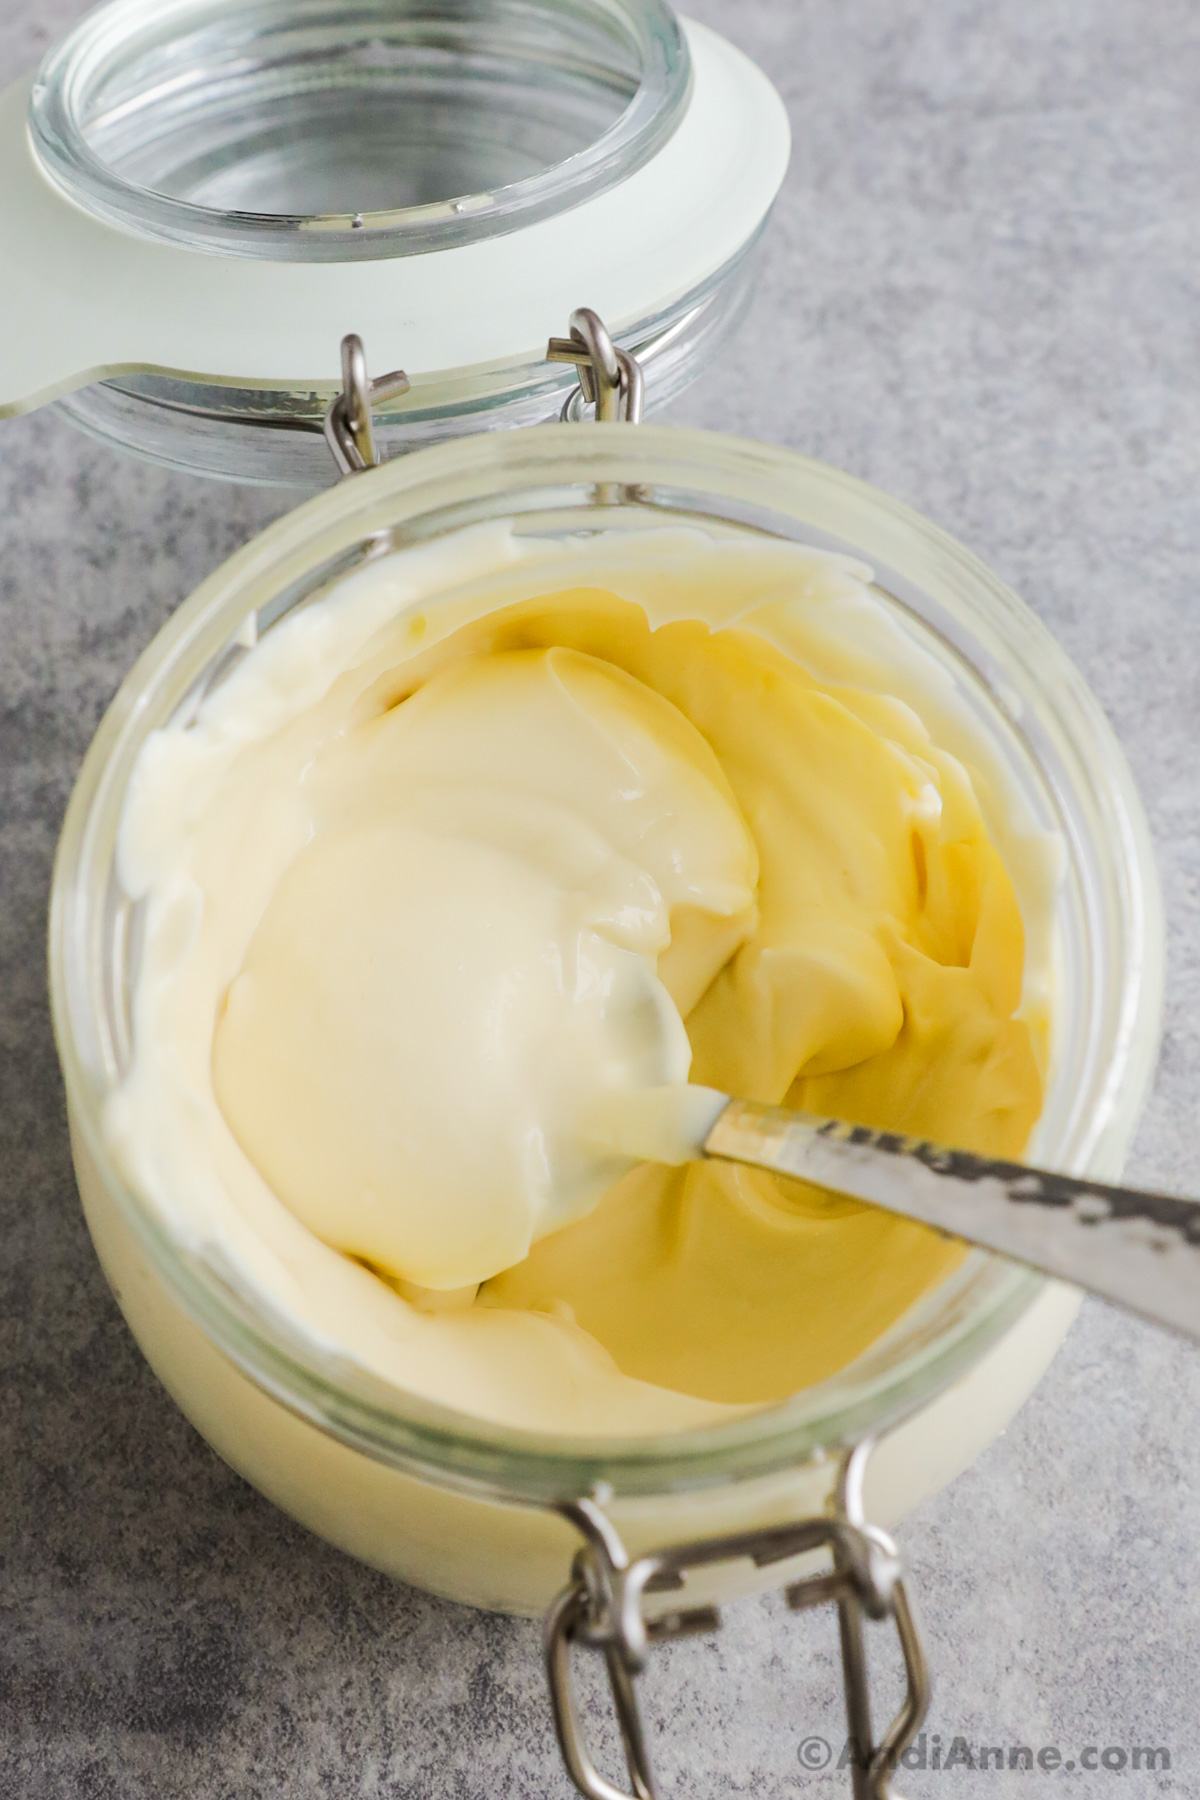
{"x": 81, "y": 300}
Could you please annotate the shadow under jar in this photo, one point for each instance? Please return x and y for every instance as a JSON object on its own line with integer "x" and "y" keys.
{"x": 450, "y": 1501}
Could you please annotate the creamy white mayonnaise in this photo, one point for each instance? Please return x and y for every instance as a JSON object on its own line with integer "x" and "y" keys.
{"x": 489, "y": 871}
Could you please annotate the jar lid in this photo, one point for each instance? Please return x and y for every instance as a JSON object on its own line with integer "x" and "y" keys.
{"x": 212, "y": 294}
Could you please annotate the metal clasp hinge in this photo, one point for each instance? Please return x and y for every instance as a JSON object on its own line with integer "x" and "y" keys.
{"x": 349, "y": 423}
{"x": 601, "y": 1609}
{"x": 609, "y": 379}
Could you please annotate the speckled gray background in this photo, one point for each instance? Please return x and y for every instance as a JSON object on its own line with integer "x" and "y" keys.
{"x": 980, "y": 292}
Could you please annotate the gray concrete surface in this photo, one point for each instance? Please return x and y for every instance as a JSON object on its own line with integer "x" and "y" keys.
{"x": 980, "y": 292}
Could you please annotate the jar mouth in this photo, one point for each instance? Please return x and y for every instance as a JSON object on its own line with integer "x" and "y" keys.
{"x": 347, "y": 130}
{"x": 1039, "y": 718}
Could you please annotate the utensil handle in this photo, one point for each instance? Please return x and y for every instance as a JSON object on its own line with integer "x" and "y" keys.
{"x": 1139, "y": 1249}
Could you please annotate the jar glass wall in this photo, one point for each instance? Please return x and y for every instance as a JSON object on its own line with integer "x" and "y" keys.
{"x": 324, "y": 1438}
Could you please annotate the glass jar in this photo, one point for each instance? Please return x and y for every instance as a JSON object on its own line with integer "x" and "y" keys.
{"x": 343, "y": 130}
{"x": 448, "y": 1501}
{"x": 202, "y": 199}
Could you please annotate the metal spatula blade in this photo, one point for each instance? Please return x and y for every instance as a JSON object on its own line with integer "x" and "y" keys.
{"x": 1141, "y": 1250}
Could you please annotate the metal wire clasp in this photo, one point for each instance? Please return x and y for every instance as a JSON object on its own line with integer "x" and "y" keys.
{"x": 601, "y": 1609}
{"x": 349, "y": 424}
{"x": 609, "y": 379}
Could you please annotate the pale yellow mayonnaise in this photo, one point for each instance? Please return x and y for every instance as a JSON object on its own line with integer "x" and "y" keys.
{"x": 462, "y": 963}
{"x": 420, "y": 871}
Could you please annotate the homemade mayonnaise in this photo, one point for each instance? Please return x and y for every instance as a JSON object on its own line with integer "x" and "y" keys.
{"x": 489, "y": 890}
{"x": 414, "y": 872}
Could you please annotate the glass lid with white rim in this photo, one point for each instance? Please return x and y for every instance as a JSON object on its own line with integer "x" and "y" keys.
{"x": 198, "y": 200}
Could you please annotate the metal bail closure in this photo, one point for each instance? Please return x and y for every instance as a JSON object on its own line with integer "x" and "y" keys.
{"x": 609, "y": 379}
{"x": 601, "y": 1609}
{"x": 349, "y": 425}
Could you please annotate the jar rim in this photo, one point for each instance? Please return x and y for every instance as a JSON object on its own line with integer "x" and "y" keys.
{"x": 150, "y": 306}
{"x": 102, "y": 52}
{"x": 1031, "y": 683}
